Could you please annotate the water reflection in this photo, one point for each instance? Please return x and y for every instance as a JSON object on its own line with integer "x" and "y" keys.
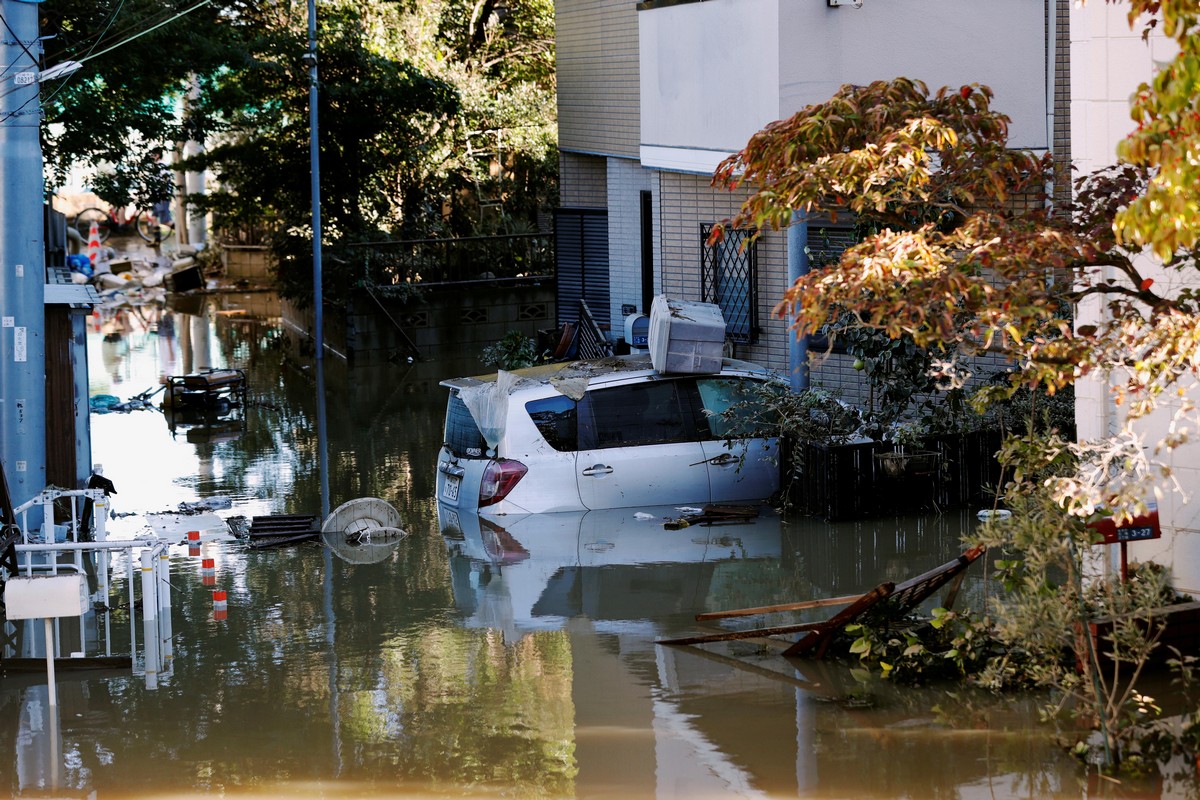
{"x": 616, "y": 567}
{"x": 514, "y": 657}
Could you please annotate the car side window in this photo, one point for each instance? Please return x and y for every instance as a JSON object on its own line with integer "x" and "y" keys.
{"x": 733, "y": 408}
{"x": 649, "y": 412}
{"x": 555, "y": 420}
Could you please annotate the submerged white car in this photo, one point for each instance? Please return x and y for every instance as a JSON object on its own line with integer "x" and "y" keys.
{"x": 612, "y": 433}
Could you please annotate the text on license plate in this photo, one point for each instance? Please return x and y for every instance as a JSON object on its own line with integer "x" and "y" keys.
{"x": 450, "y": 488}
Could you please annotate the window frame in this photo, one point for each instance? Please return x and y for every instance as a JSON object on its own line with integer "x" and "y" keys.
{"x": 720, "y": 265}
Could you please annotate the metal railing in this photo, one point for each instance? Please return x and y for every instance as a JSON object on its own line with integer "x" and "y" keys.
{"x": 40, "y": 550}
{"x": 430, "y": 262}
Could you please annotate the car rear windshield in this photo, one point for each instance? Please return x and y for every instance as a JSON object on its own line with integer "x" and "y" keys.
{"x": 462, "y": 434}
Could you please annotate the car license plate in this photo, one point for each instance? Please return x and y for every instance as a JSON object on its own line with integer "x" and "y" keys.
{"x": 450, "y": 488}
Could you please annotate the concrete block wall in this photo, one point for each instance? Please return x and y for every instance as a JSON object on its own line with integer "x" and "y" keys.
{"x": 465, "y": 319}
{"x": 247, "y": 263}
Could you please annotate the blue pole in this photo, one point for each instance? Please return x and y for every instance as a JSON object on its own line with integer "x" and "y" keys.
{"x": 797, "y": 258}
{"x": 22, "y": 258}
{"x": 314, "y": 157}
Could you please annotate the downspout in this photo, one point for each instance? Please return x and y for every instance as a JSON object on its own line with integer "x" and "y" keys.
{"x": 797, "y": 262}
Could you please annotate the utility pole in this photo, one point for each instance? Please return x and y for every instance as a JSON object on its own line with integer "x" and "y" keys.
{"x": 22, "y": 256}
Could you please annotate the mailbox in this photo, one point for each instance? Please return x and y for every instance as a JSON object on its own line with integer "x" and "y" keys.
{"x": 45, "y": 596}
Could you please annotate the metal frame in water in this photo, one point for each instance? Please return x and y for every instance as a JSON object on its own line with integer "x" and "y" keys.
{"x": 40, "y": 552}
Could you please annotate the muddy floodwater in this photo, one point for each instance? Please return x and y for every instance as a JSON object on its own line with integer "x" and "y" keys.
{"x": 512, "y": 658}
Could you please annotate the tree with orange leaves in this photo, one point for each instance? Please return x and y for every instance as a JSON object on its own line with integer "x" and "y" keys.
{"x": 964, "y": 254}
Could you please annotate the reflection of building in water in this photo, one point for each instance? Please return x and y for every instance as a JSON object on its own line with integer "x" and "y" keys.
{"x": 167, "y": 353}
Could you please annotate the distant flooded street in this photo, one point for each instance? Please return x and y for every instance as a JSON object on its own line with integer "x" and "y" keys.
{"x": 473, "y": 658}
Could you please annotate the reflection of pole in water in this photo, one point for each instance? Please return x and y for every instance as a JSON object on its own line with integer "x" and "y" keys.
{"x": 322, "y": 439}
{"x": 38, "y": 742}
{"x": 185, "y": 342}
{"x": 201, "y": 345}
{"x": 166, "y": 344}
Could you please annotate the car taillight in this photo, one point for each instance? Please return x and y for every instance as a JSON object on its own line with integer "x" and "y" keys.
{"x": 499, "y": 478}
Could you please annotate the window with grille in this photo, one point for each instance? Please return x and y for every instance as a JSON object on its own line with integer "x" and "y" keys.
{"x": 729, "y": 278}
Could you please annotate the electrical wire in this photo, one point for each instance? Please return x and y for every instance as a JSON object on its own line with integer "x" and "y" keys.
{"x": 90, "y": 56}
{"x": 15, "y": 112}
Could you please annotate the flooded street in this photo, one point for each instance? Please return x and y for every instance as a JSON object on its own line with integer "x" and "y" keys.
{"x": 471, "y": 658}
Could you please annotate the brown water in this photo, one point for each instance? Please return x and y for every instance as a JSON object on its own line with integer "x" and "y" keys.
{"x": 475, "y": 659}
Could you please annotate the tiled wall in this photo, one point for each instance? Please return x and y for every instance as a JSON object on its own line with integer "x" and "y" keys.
{"x": 598, "y": 87}
{"x": 583, "y": 181}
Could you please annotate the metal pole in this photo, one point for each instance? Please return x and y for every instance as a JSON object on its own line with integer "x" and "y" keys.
{"x": 314, "y": 157}
{"x": 150, "y": 617}
{"x": 797, "y": 260}
{"x": 22, "y": 256}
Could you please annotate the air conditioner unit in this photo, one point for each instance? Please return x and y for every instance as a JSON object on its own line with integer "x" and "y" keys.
{"x": 836, "y": 3}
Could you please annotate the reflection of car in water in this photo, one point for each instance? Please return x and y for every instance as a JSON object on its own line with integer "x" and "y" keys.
{"x": 534, "y": 571}
{"x": 613, "y": 433}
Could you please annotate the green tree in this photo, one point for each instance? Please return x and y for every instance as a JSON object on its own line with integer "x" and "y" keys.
{"x": 437, "y": 117}
{"x": 110, "y": 116}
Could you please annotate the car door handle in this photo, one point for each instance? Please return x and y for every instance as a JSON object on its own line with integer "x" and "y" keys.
{"x": 598, "y": 469}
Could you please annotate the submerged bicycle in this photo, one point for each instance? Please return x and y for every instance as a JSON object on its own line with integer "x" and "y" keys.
{"x": 143, "y": 223}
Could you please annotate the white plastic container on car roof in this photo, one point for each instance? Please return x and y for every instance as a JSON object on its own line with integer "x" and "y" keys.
{"x": 686, "y": 336}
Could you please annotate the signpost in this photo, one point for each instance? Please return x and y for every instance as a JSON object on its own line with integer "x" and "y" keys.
{"x": 1143, "y": 527}
{"x": 48, "y": 597}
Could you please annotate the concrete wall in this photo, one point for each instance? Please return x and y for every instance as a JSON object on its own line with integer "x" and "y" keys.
{"x": 466, "y": 318}
{"x": 714, "y": 73}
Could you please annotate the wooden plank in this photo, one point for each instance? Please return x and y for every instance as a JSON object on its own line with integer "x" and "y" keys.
{"x": 754, "y": 669}
{"x": 751, "y": 633}
{"x": 820, "y": 637}
{"x": 797, "y": 606}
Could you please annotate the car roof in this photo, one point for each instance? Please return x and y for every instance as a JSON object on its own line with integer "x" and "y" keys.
{"x": 599, "y": 370}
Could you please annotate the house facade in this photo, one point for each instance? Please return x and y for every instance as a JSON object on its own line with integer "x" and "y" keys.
{"x": 653, "y": 95}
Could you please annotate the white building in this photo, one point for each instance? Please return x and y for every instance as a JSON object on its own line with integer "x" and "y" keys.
{"x": 653, "y": 95}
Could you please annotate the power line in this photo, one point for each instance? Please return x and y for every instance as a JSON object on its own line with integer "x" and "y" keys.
{"x": 90, "y": 56}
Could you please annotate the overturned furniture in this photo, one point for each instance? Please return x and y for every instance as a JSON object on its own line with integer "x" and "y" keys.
{"x": 212, "y": 389}
{"x": 899, "y": 599}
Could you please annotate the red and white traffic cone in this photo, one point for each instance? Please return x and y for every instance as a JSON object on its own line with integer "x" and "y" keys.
{"x": 94, "y": 243}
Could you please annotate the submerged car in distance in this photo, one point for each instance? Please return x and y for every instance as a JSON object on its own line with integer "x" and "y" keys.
{"x": 610, "y": 433}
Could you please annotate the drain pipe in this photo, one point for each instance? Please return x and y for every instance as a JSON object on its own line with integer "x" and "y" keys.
{"x": 797, "y": 262}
